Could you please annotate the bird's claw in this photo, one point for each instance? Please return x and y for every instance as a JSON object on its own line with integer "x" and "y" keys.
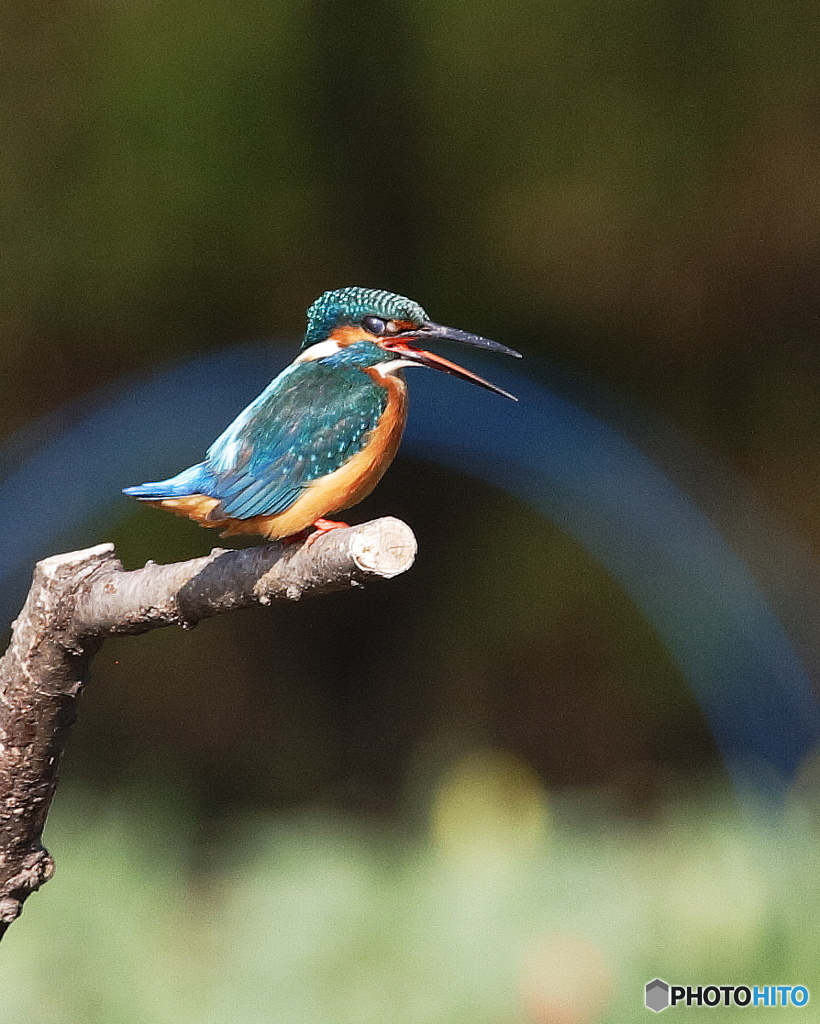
{"x": 323, "y": 526}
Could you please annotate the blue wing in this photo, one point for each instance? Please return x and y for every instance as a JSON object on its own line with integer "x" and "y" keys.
{"x": 305, "y": 424}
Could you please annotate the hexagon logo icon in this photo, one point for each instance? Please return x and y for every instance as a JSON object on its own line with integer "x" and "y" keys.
{"x": 656, "y": 995}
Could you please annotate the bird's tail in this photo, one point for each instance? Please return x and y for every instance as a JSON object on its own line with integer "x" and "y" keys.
{"x": 194, "y": 480}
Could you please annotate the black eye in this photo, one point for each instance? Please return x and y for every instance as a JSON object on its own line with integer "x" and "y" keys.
{"x": 374, "y": 324}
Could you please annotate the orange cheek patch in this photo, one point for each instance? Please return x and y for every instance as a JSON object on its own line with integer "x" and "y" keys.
{"x": 350, "y": 335}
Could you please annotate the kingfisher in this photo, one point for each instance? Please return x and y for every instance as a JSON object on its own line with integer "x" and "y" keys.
{"x": 321, "y": 435}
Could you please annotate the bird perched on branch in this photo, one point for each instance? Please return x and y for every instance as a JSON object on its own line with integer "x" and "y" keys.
{"x": 320, "y": 436}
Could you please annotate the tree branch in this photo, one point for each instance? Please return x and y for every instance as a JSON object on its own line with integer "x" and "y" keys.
{"x": 78, "y": 599}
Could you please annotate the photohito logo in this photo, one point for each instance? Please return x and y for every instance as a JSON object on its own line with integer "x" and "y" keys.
{"x": 658, "y": 995}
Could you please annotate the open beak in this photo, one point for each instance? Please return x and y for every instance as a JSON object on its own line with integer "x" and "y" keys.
{"x": 400, "y": 344}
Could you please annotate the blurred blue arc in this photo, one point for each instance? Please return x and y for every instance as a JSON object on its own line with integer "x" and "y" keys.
{"x": 547, "y": 450}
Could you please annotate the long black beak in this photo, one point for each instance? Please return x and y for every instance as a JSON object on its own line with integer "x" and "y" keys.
{"x": 400, "y": 344}
{"x": 441, "y": 333}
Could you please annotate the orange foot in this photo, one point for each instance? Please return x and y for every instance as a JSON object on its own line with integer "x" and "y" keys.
{"x": 323, "y": 526}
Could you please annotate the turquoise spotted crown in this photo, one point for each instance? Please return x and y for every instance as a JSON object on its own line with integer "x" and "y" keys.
{"x": 349, "y": 305}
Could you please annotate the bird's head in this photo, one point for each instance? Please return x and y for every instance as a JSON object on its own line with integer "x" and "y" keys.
{"x": 368, "y": 327}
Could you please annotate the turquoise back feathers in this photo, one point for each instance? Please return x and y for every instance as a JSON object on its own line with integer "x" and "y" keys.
{"x": 303, "y": 426}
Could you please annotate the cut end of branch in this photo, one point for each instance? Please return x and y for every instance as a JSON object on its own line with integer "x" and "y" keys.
{"x": 380, "y": 549}
{"x": 385, "y": 547}
{"x": 72, "y": 559}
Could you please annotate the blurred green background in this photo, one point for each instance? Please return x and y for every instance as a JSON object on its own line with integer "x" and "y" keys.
{"x": 482, "y": 792}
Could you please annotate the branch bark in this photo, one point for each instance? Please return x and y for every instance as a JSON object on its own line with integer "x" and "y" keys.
{"x": 78, "y": 599}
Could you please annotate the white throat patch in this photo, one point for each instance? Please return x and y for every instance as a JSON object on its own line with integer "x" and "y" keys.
{"x": 318, "y": 351}
{"x": 394, "y": 364}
